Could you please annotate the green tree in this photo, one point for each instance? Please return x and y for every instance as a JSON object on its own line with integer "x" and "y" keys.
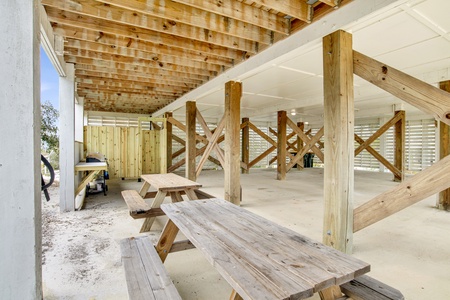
{"x": 49, "y": 128}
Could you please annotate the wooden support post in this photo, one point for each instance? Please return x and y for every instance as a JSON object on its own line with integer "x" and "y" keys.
{"x": 339, "y": 140}
{"x": 191, "y": 149}
{"x": 300, "y": 164}
{"x": 399, "y": 151}
{"x": 245, "y": 145}
{"x": 444, "y": 150}
{"x": 168, "y": 115}
{"x": 281, "y": 145}
{"x": 233, "y": 93}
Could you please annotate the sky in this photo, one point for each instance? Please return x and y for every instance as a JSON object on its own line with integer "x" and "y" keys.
{"x": 49, "y": 81}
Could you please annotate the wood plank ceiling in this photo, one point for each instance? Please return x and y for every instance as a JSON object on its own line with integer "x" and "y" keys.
{"x": 136, "y": 56}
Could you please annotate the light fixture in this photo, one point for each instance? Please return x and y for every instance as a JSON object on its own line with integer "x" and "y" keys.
{"x": 293, "y": 112}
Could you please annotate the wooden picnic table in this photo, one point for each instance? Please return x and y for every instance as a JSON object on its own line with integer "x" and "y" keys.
{"x": 258, "y": 258}
{"x": 166, "y": 184}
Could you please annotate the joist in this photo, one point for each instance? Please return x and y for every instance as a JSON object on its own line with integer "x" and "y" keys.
{"x": 89, "y": 40}
{"x": 132, "y": 85}
{"x": 179, "y": 13}
{"x": 96, "y": 13}
{"x": 332, "y": 3}
{"x": 124, "y": 55}
{"x": 145, "y": 35}
{"x": 134, "y": 78}
{"x": 139, "y": 63}
{"x": 241, "y": 11}
{"x": 294, "y": 8}
{"x": 141, "y": 71}
{"x": 133, "y": 42}
{"x": 170, "y": 64}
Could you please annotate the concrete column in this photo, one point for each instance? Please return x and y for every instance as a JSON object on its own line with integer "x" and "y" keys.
{"x": 67, "y": 139}
{"x": 20, "y": 201}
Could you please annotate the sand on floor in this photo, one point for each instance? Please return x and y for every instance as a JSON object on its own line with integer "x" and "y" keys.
{"x": 81, "y": 254}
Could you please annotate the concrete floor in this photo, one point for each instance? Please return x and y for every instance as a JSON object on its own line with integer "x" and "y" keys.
{"x": 409, "y": 250}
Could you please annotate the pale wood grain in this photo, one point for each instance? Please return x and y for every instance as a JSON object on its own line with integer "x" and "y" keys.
{"x": 232, "y": 187}
{"x": 146, "y": 276}
{"x": 367, "y": 288}
{"x": 422, "y": 95}
{"x": 169, "y": 182}
{"x": 422, "y": 185}
{"x": 339, "y": 140}
{"x": 260, "y": 259}
{"x": 281, "y": 145}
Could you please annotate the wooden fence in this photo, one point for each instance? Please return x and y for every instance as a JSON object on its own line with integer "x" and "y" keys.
{"x": 127, "y": 156}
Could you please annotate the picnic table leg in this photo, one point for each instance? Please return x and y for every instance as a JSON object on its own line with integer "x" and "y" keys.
{"x": 191, "y": 194}
{"x": 144, "y": 189}
{"x": 166, "y": 239}
{"x": 331, "y": 293}
{"x": 156, "y": 204}
{"x": 176, "y": 197}
{"x": 235, "y": 296}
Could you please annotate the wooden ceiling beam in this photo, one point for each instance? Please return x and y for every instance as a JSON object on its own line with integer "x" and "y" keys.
{"x": 158, "y": 99}
{"x": 145, "y": 73}
{"x": 108, "y": 43}
{"x": 180, "y": 13}
{"x": 332, "y": 3}
{"x": 294, "y": 8}
{"x": 127, "y": 96}
{"x": 127, "y": 65}
{"x": 147, "y": 83}
{"x": 136, "y": 57}
{"x": 160, "y": 79}
{"x": 115, "y": 107}
{"x": 109, "y": 18}
{"x": 242, "y": 12}
{"x": 137, "y": 86}
{"x": 154, "y": 38}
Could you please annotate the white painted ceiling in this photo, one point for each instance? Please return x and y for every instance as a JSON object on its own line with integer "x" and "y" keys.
{"x": 413, "y": 36}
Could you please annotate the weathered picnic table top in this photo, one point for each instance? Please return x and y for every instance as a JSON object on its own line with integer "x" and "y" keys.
{"x": 169, "y": 182}
{"x": 258, "y": 258}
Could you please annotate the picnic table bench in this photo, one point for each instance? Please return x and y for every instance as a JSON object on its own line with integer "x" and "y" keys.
{"x": 146, "y": 276}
